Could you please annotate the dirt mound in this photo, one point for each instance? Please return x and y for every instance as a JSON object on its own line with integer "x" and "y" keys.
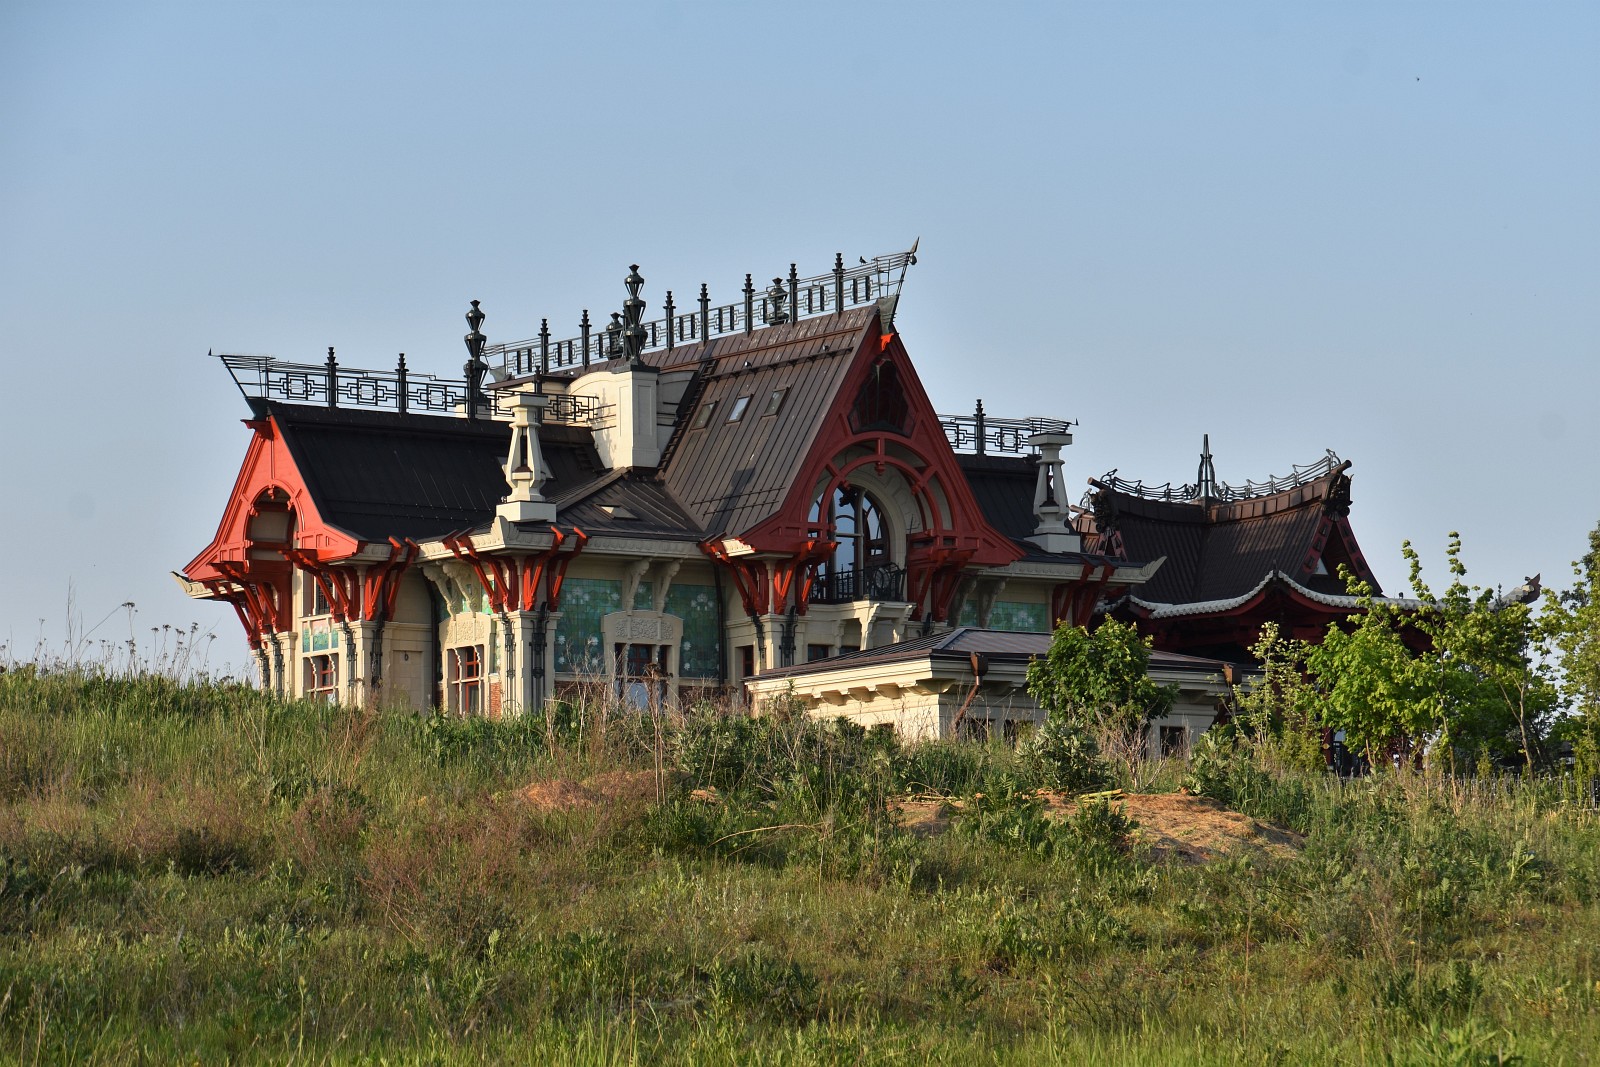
{"x": 1197, "y": 829}
{"x": 618, "y": 788}
{"x": 1190, "y": 828}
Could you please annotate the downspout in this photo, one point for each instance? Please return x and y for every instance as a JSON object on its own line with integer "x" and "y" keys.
{"x": 786, "y": 640}
{"x": 436, "y": 607}
{"x": 722, "y": 629}
{"x": 541, "y": 633}
{"x": 508, "y": 648}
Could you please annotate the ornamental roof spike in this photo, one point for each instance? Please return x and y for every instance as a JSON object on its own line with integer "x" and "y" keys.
{"x": 633, "y": 332}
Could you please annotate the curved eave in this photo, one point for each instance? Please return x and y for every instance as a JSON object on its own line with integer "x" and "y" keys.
{"x": 1273, "y": 581}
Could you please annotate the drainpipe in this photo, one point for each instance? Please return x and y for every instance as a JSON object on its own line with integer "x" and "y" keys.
{"x": 540, "y": 634}
{"x": 786, "y": 641}
{"x": 722, "y": 630}
{"x": 436, "y": 606}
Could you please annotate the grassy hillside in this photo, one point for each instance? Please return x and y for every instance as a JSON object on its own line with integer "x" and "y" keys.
{"x": 203, "y": 873}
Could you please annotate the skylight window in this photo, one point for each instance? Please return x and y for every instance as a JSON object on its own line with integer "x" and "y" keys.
{"x": 703, "y": 418}
{"x": 736, "y": 412}
{"x": 775, "y": 401}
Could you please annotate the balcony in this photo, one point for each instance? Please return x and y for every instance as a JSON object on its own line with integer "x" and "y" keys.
{"x": 883, "y": 581}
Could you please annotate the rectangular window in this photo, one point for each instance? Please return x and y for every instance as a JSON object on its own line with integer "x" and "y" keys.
{"x": 322, "y": 678}
{"x": 464, "y": 680}
{"x": 844, "y": 649}
{"x": 816, "y": 652}
{"x": 703, "y": 417}
{"x": 736, "y": 412}
{"x": 315, "y": 602}
{"x": 775, "y": 401}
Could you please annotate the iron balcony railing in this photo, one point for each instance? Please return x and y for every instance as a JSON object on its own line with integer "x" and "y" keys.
{"x": 883, "y": 581}
{"x": 330, "y": 384}
{"x": 785, "y": 300}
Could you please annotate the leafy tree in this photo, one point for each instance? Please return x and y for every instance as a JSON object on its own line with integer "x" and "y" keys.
{"x": 1100, "y": 678}
{"x": 1572, "y": 625}
{"x": 1278, "y": 709}
{"x": 1371, "y": 687}
{"x": 1572, "y": 619}
{"x": 1482, "y": 686}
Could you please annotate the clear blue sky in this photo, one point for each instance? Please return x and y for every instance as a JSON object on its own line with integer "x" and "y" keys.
{"x": 1373, "y": 228}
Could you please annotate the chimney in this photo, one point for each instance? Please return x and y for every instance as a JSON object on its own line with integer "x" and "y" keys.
{"x": 627, "y": 436}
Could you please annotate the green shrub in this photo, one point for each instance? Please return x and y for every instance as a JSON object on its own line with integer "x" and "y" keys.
{"x": 1061, "y": 755}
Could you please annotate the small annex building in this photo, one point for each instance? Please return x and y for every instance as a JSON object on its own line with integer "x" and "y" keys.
{"x": 969, "y": 682}
{"x": 696, "y": 504}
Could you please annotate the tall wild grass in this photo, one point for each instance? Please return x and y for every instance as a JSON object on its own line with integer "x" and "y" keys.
{"x": 200, "y": 872}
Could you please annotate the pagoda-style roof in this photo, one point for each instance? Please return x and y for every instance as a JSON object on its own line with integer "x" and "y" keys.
{"x": 1221, "y": 542}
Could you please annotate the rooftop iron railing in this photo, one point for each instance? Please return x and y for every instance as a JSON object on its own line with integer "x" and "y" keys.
{"x": 1300, "y": 475}
{"x": 785, "y": 300}
{"x": 331, "y": 384}
{"x": 981, "y": 433}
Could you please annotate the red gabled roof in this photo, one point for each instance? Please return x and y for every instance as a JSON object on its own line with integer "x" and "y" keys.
{"x": 268, "y": 465}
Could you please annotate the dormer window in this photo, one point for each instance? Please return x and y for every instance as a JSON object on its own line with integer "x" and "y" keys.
{"x": 736, "y": 412}
{"x": 703, "y": 418}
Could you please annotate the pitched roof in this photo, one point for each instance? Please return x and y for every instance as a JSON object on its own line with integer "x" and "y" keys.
{"x": 628, "y": 503}
{"x": 729, "y": 476}
{"x": 1216, "y": 550}
{"x": 379, "y": 474}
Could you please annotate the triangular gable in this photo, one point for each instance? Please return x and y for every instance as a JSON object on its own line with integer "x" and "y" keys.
{"x": 900, "y": 429}
{"x": 268, "y": 471}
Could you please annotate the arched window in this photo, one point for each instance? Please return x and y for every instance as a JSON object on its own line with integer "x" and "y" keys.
{"x": 862, "y": 566}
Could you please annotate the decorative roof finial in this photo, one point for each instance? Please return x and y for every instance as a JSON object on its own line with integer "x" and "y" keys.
{"x": 777, "y": 294}
{"x": 475, "y": 366}
{"x": 633, "y": 314}
{"x": 1206, "y": 480}
{"x": 614, "y": 336}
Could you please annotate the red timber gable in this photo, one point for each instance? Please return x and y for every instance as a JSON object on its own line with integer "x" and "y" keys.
{"x": 270, "y": 527}
{"x": 879, "y": 420}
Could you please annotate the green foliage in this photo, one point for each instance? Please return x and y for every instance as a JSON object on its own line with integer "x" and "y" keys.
{"x": 1099, "y": 678}
{"x": 1480, "y": 686}
{"x": 206, "y": 874}
{"x": 1061, "y": 755}
{"x": 1571, "y": 621}
{"x": 1278, "y": 709}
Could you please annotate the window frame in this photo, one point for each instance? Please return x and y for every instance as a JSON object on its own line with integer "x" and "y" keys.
{"x": 703, "y": 417}
{"x": 464, "y": 680}
{"x": 322, "y": 677}
{"x": 741, "y": 404}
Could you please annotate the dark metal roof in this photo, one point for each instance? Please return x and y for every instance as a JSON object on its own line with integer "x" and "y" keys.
{"x": 1216, "y": 550}
{"x": 629, "y": 504}
{"x": 379, "y": 474}
{"x": 1003, "y": 487}
{"x": 959, "y": 644}
{"x": 730, "y": 476}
